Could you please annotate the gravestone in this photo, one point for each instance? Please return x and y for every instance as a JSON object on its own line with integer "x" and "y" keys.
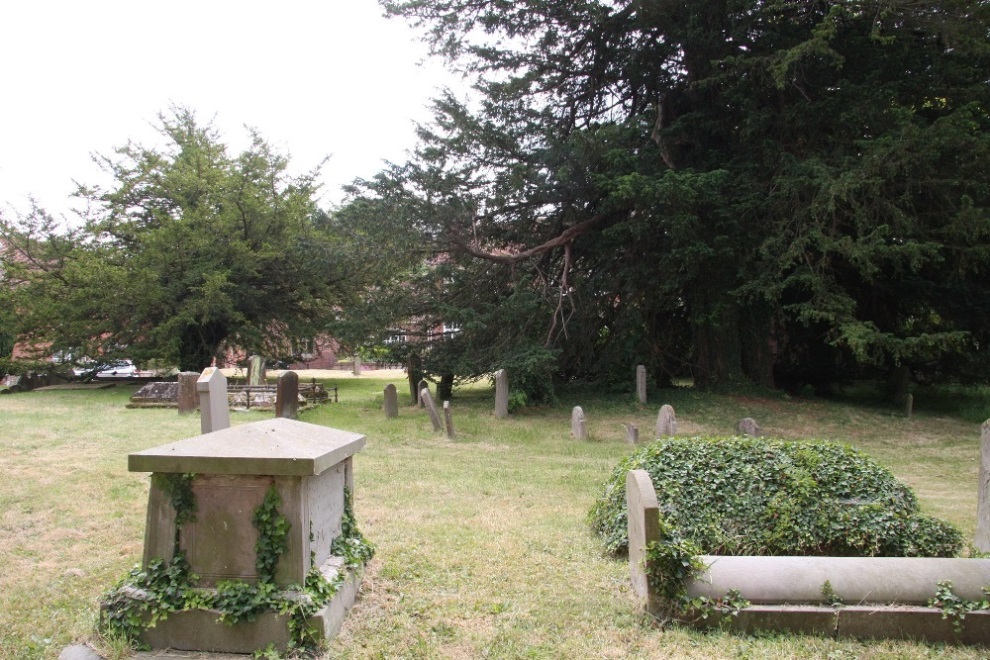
{"x": 357, "y": 365}
{"x": 162, "y": 394}
{"x": 287, "y": 395}
{"x": 256, "y": 370}
{"x": 423, "y": 385}
{"x": 579, "y": 426}
{"x": 748, "y": 426}
{"x": 309, "y": 467}
{"x": 908, "y": 405}
{"x": 431, "y": 409}
{"x": 448, "y": 420}
{"x": 643, "y": 513}
{"x": 214, "y": 415}
{"x": 186, "y": 397}
{"x": 641, "y": 384}
{"x": 391, "y": 402}
{"x": 632, "y": 433}
{"x": 501, "y": 394}
{"x": 982, "y": 541}
{"x": 666, "y": 422}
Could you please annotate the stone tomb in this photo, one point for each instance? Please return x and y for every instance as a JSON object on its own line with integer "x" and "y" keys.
{"x": 156, "y": 395}
{"x": 234, "y": 468}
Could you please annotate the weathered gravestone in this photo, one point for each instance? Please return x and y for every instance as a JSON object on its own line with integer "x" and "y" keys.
{"x": 287, "y": 395}
{"x": 908, "y": 405}
{"x": 214, "y": 415}
{"x": 186, "y": 397}
{"x": 579, "y": 426}
{"x": 643, "y": 514}
{"x": 308, "y": 468}
{"x": 641, "y": 384}
{"x": 391, "y": 402}
{"x": 982, "y": 541}
{"x": 632, "y": 433}
{"x": 748, "y": 426}
{"x": 423, "y": 385}
{"x": 666, "y": 422}
{"x": 256, "y": 370}
{"x": 431, "y": 409}
{"x": 448, "y": 420}
{"x": 501, "y": 394}
{"x": 161, "y": 394}
{"x": 357, "y": 365}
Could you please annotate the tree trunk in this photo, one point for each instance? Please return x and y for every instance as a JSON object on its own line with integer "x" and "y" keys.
{"x": 198, "y": 345}
{"x": 446, "y": 387}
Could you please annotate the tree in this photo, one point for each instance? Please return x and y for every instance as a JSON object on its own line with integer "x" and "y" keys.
{"x": 768, "y": 190}
{"x": 190, "y": 249}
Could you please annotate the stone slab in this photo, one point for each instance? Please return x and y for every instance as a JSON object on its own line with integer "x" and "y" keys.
{"x": 918, "y": 623}
{"x": 799, "y": 619}
{"x": 275, "y": 447}
{"x": 76, "y": 386}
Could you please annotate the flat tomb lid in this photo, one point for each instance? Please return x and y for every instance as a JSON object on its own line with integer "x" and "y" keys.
{"x": 276, "y": 446}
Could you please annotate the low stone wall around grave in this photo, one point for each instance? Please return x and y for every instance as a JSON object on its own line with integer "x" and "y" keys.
{"x": 866, "y": 597}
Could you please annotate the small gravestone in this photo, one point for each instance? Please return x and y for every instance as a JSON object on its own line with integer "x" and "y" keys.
{"x": 908, "y": 405}
{"x": 423, "y": 385}
{"x": 501, "y": 394}
{"x": 632, "y": 433}
{"x": 579, "y": 425}
{"x": 982, "y": 541}
{"x": 748, "y": 426}
{"x": 214, "y": 415}
{"x": 256, "y": 370}
{"x": 155, "y": 395}
{"x": 643, "y": 515}
{"x": 431, "y": 409}
{"x": 641, "y": 384}
{"x": 448, "y": 420}
{"x": 357, "y": 365}
{"x": 186, "y": 397}
{"x": 391, "y": 402}
{"x": 287, "y": 395}
{"x": 666, "y": 422}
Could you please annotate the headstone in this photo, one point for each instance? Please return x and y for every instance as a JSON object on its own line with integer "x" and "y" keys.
{"x": 908, "y": 405}
{"x": 982, "y": 541}
{"x": 632, "y": 433}
{"x": 357, "y": 365}
{"x": 214, "y": 415}
{"x": 666, "y": 422}
{"x": 641, "y": 384}
{"x": 501, "y": 394}
{"x": 643, "y": 512}
{"x": 579, "y": 426}
{"x": 391, "y": 402}
{"x": 186, "y": 397}
{"x": 748, "y": 426}
{"x": 448, "y": 420}
{"x": 423, "y": 385}
{"x": 431, "y": 409}
{"x": 287, "y": 395}
{"x": 256, "y": 370}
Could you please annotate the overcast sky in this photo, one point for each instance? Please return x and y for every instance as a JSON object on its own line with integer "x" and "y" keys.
{"x": 316, "y": 78}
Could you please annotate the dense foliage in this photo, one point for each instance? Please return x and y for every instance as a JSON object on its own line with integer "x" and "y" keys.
{"x": 778, "y": 192}
{"x": 189, "y": 249}
{"x": 750, "y": 496}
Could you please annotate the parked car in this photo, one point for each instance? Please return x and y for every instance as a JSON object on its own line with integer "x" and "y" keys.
{"x": 119, "y": 369}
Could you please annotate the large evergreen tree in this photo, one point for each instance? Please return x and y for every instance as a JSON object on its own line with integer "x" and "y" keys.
{"x": 763, "y": 190}
{"x": 188, "y": 250}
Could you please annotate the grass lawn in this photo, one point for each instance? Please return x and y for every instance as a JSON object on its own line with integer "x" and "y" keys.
{"x": 483, "y": 548}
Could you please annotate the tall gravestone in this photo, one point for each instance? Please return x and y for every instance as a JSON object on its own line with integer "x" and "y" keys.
{"x": 643, "y": 514}
{"x": 666, "y": 422}
{"x": 188, "y": 397}
{"x": 256, "y": 370}
{"x": 982, "y": 541}
{"x": 448, "y": 420}
{"x": 641, "y": 384}
{"x": 423, "y": 385}
{"x": 501, "y": 394}
{"x": 287, "y": 395}
{"x": 579, "y": 425}
{"x": 214, "y": 414}
{"x": 431, "y": 409}
{"x": 357, "y": 365}
{"x": 391, "y": 402}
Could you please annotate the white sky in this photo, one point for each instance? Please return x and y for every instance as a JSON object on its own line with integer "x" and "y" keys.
{"x": 315, "y": 77}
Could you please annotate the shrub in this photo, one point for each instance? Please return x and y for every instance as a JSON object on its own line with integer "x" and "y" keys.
{"x": 748, "y": 496}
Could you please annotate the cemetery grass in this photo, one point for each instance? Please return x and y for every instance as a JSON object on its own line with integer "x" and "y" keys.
{"x": 482, "y": 544}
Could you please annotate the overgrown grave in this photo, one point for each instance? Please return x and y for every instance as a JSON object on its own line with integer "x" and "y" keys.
{"x": 821, "y": 516}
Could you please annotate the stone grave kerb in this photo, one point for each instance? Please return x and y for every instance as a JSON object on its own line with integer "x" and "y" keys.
{"x": 234, "y": 468}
